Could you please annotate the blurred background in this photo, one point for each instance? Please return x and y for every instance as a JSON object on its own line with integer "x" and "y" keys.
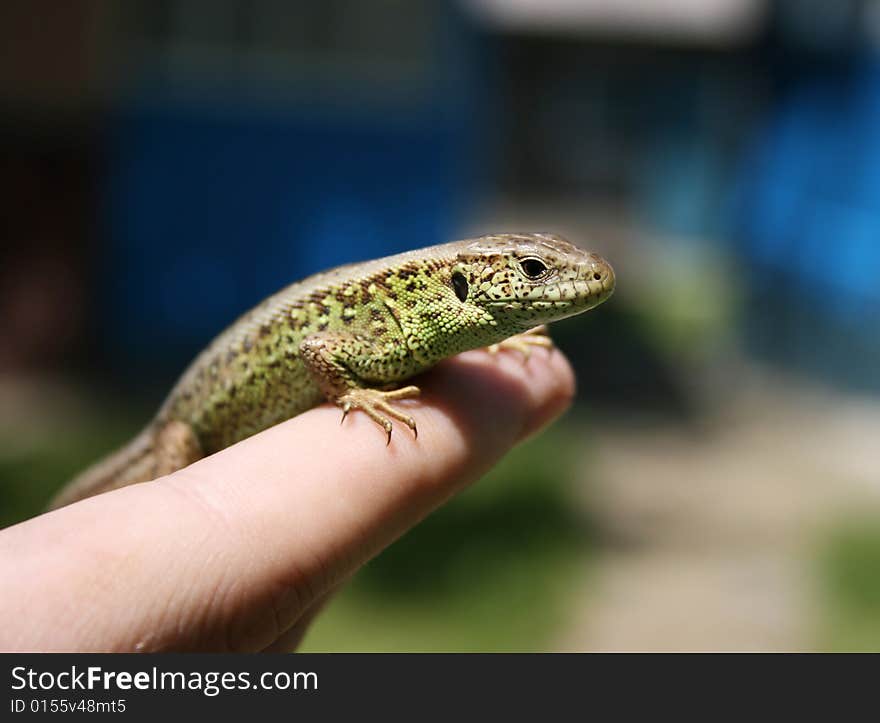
{"x": 166, "y": 164}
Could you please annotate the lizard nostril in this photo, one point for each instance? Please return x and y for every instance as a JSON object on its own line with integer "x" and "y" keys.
{"x": 597, "y": 276}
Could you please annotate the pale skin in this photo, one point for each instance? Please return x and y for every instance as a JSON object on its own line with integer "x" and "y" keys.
{"x": 239, "y": 551}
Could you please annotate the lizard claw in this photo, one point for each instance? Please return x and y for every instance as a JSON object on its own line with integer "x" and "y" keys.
{"x": 524, "y": 343}
{"x": 375, "y": 404}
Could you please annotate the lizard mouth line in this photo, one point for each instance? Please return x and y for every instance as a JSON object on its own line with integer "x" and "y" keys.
{"x": 568, "y": 293}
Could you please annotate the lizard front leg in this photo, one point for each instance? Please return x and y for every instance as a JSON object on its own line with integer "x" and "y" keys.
{"x": 524, "y": 342}
{"x": 338, "y": 363}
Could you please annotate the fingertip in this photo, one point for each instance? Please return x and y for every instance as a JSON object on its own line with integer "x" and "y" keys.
{"x": 519, "y": 398}
{"x": 553, "y": 391}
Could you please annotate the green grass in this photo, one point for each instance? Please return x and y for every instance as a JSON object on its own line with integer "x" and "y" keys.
{"x": 850, "y": 575}
{"x": 491, "y": 570}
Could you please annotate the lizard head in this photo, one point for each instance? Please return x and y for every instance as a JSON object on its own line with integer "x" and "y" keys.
{"x": 528, "y": 279}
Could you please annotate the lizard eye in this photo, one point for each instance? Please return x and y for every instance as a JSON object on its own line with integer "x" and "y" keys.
{"x": 533, "y": 268}
{"x": 460, "y": 285}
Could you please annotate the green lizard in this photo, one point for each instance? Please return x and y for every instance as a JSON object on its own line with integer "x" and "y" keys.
{"x": 349, "y": 336}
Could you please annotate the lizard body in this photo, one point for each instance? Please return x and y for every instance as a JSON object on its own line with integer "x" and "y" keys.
{"x": 352, "y": 334}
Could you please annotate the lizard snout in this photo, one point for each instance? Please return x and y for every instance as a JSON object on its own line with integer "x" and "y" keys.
{"x": 599, "y": 272}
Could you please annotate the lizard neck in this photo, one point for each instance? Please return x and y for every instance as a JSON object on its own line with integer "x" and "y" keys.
{"x": 434, "y": 322}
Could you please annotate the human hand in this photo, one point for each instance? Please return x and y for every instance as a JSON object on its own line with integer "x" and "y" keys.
{"x": 238, "y": 551}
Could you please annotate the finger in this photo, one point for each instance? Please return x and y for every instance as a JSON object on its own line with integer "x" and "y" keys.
{"x": 291, "y": 638}
{"x": 228, "y": 553}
